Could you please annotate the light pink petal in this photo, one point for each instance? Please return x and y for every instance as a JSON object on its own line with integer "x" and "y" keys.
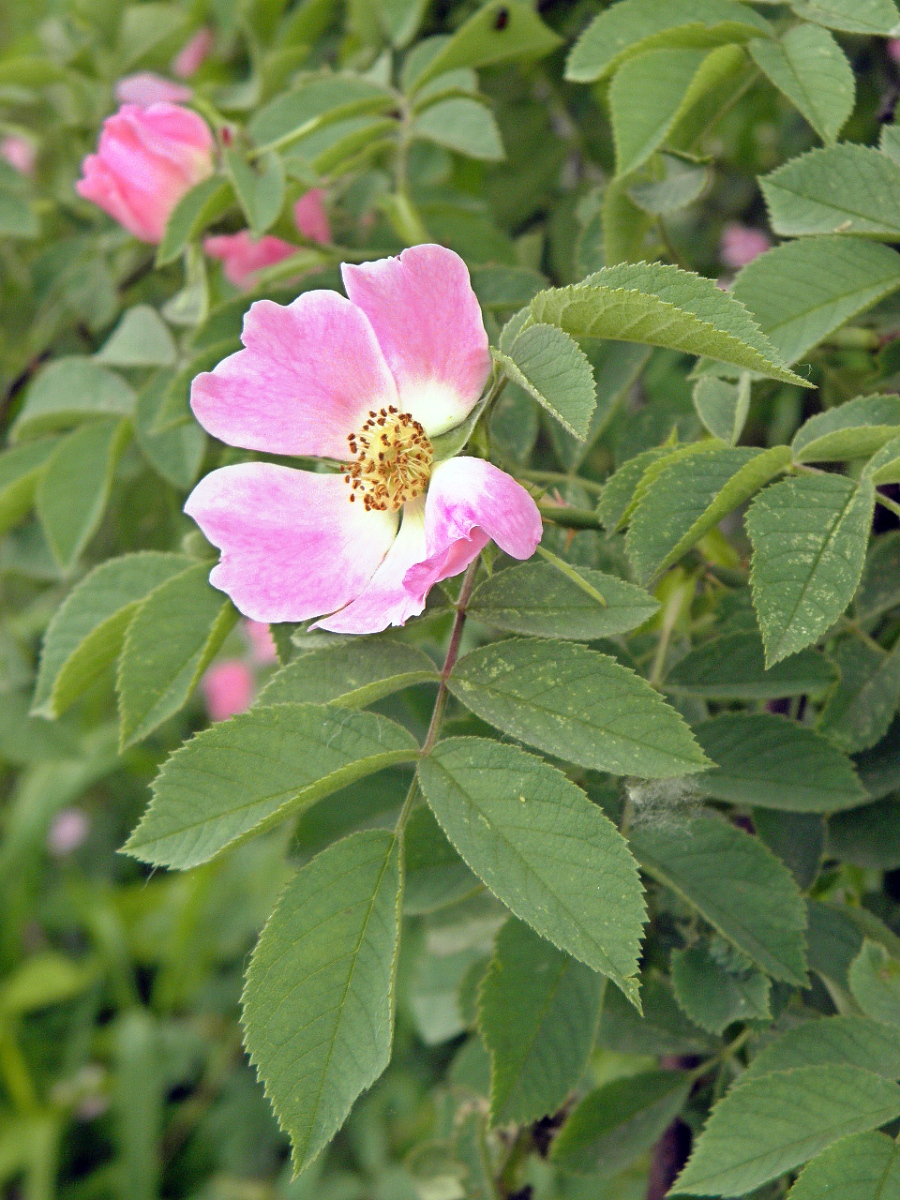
{"x": 262, "y": 644}
{"x": 311, "y": 216}
{"x": 385, "y": 600}
{"x": 469, "y": 503}
{"x": 19, "y": 153}
{"x": 227, "y": 689}
{"x": 242, "y": 256}
{"x": 428, "y": 322}
{"x": 191, "y": 57}
{"x": 741, "y": 244}
{"x": 68, "y": 830}
{"x": 293, "y": 545}
{"x": 309, "y": 375}
{"x": 145, "y": 89}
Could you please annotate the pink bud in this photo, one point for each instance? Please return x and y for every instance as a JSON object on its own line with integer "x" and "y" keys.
{"x": 311, "y": 216}
{"x": 740, "y": 244}
{"x": 193, "y": 54}
{"x": 262, "y": 644}
{"x": 69, "y": 829}
{"x": 146, "y": 88}
{"x": 242, "y": 256}
{"x": 228, "y": 689}
{"x": 19, "y": 153}
{"x": 148, "y": 158}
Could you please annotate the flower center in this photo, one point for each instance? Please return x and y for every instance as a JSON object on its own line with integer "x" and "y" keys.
{"x": 391, "y": 460}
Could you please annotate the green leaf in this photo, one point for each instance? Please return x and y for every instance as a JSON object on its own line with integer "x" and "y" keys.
{"x": 801, "y": 291}
{"x": 536, "y": 599}
{"x": 722, "y": 406}
{"x": 173, "y": 408}
{"x": 618, "y": 498}
{"x": 539, "y": 844}
{"x": 86, "y": 632}
{"x": 845, "y": 189}
{"x": 17, "y": 218}
{"x": 169, "y": 644}
{"x": 144, "y": 26}
{"x": 259, "y": 187}
{"x": 552, "y": 368}
{"x": 690, "y": 496}
{"x": 867, "y": 1163}
{"x": 538, "y": 1012}
{"x": 736, "y": 884}
{"x": 874, "y": 977}
{"x": 243, "y": 776}
{"x": 175, "y": 453}
{"x": 808, "y": 66}
{"x": 318, "y": 1013}
{"x": 769, "y": 762}
{"x": 664, "y": 306}
{"x": 317, "y": 104}
{"x": 672, "y": 184}
{"x": 651, "y": 93}
{"x": 401, "y": 19}
{"x": 353, "y": 674}
{"x": 198, "y": 208}
{"x": 44, "y": 979}
{"x": 852, "y": 16}
{"x": 868, "y": 836}
{"x": 20, "y": 472}
{"x": 578, "y": 704}
{"x": 435, "y": 874}
{"x": 68, "y": 391}
{"x": 74, "y": 487}
{"x": 662, "y": 1028}
{"x": 879, "y": 768}
{"x": 770, "y": 1125}
{"x": 798, "y": 839}
{"x": 851, "y": 1041}
{"x": 615, "y": 1124}
{"x": 499, "y": 31}
{"x": 632, "y": 27}
{"x": 884, "y": 467}
{"x": 879, "y": 588}
{"x": 141, "y": 339}
{"x": 860, "y": 709}
{"x": 809, "y": 538}
{"x": 855, "y": 429}
{"x": 504, "y": 288}
{"x": 714, "y": 992}
{"x": 733, "y": 668}
{"x": 462, "y": 125}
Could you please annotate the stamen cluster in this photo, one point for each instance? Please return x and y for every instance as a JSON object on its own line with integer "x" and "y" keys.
{"x": 392, "y": 460}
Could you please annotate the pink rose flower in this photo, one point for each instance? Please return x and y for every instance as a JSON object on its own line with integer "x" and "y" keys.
{"x": 228, "y": 689}
{"x": 145, "y": 89}
{"x": 148, "y": 158}
{"x": 373, "y": 378}
{"x": 242, "y": 255}
{"x": 740, "y": 244}
{"x": 19, "y": 153}
{"x": 68, "y": 830}
{"x": 191, "y": 57}
{"x": 262, "y": 645}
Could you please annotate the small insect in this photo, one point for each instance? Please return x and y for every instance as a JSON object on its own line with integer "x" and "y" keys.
{"x": 502, "y": 19}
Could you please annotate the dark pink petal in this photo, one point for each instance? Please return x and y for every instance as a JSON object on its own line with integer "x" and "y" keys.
{"x": 469, "y": 503}
{"x": 293, "y": 545}
{"x": 428, "y": 323}
{"x": 385, "y": 600}
{"x": 309, "y": 375}
{"x": 311, "y": 216}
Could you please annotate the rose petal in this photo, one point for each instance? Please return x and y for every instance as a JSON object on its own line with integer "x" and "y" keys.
{"x": 311, "y": 216}
{"x": 242, "y": 256}
{"x": 310, "y": 373}
{"x": 384, "y": 600}
{"x": 428, "y": 323}
{"x": 469, "y": 503}
{"x": 227, "y": 689}
{"x": 191, "y": 57}
{"x": 146, "y": 88}
{"x": 293, "y": 545}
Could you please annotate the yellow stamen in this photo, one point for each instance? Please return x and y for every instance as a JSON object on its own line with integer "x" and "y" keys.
{"x": 392, "y": 462}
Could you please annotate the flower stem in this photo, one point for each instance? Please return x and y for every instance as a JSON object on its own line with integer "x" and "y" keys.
{"x": 437, "y": 713}
{"x": 570, "y": 518}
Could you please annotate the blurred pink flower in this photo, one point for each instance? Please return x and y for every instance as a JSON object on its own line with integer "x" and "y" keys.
{"x": 262, "y": 644}
{"x": 893, "y": 49}
{"x": 242, "y": 255}
{"x": 145, "y": 89}
{"x": 228, "y": 689}
{"x": 740, "y": 244}
{"x": 401, "y": 361}
{"x": 19, "y": 153}
{"x": 68, "y": 830}
{"x": 191, "y": 57}
{"x": 148, "y": 158}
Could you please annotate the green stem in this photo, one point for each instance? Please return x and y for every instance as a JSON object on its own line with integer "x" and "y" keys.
{"x": 888, "y": 503}
{"x": 14, "y": 1069}
{"x": 559, "y": 477}
{"x": 570, "y": 518}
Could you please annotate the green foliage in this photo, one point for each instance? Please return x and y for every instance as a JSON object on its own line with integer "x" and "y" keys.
{"x": 582, "y": 883}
